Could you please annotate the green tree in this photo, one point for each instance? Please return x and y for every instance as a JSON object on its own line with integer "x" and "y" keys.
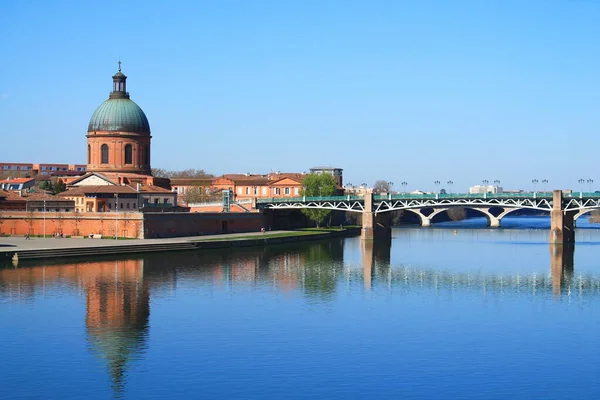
{"x": 317, "y": 185}
{"x": 58, "y": 186}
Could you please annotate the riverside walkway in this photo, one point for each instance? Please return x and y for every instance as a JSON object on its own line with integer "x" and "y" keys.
{"x": 40, "y": 248}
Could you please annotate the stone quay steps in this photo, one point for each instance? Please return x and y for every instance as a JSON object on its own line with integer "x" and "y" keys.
{"x": 104, "y": 250}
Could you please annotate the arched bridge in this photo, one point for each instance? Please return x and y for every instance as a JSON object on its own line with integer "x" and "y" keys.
{"x": 571, "y": 205}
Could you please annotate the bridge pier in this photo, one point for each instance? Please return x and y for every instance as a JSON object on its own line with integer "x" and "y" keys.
{"x": 375, "y": 225}
{"x": 562, "y": 225}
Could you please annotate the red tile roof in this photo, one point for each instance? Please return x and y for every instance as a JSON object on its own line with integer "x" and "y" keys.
{"x": 17, "y": 180}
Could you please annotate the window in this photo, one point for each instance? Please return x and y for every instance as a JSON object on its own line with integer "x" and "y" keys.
{"x": 277, "y": 191}
{"x": 286, "y": 190}
{"x": 166, "y": 201}
{"x": 247, "y": 190}
{"x": 43, "y": 168}
{"x": 89, "y": 155}
{"x": 264, "y": 190}
{"x": 128, "y": 154}
{"x": 296, "y": 191}
{"x": 104, "y": 154}
{"x": 255, "y": 190}
{"x": 127, "y": 205}
{"x": 239, "y": 190}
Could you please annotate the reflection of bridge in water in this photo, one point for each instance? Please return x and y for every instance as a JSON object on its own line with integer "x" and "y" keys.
{"x": 560, "y": 278}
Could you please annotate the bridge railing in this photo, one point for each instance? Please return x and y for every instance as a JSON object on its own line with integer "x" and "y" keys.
{"x": 433, "y": 196}
{"x": 311, "y": 198}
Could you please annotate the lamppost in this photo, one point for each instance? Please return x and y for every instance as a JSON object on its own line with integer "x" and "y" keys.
{"x": 581, "y": 182}
{"x": 450, "y": 183}
{"x": 484, "y": 183}
{"x": 390, "y": 186}
{"x": 545, "y": 183}
{"x": 117, "y": 216}
{"x": 44, "y": 215}
{"x": 535, "y": 182}
{"x": 590, "y": 181}
{"x": 404, "y": 183}
{"x": 436, "y": 183}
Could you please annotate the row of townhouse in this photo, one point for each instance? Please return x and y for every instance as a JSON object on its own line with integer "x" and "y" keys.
{"x": 30, "y": 170}
{"x": 251, "y": 186}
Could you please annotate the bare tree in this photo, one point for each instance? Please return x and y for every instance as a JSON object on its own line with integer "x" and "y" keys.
{"x": 186, "y": 173}
{"x": 198, "y": 193}
{"x": 381, "y": 186}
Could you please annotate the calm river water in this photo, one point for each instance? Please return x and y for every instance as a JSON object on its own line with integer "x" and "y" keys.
{"x": 453, "y": 311}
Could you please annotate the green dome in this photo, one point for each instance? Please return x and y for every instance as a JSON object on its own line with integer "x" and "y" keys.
{"x": 121, "y": 115}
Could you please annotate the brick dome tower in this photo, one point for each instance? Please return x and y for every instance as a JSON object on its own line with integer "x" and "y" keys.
{"x": 118, "y": 135}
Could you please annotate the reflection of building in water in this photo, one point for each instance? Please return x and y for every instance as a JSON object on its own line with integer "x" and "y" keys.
{"x": 117, "y": 311}
{"x": 117, "y": 304}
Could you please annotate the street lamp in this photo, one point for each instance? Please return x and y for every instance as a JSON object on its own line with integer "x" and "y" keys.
{"x": 117, "y": 216}
{"x": 590, "y": 181}
{"x": 390, "y": 186}
{"x": 535, "y": 182}
{"x": 581, "y": 182}
{"x": 404, "y": 186}
{"x": 545, "y": 183}
{"x": 450, "y": 183}
{"x": 436, "y": 183}
{"x": 484, "y": 183}
{"x": 44, "y": 215}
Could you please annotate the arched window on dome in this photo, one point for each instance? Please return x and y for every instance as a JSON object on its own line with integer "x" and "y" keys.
{"x": 104, "y": 152}
{"x": 128, "y": 154}
{"x": 89, "y": 154}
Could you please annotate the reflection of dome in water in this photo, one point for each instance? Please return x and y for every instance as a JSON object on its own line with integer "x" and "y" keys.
{"x": 118, "y": 347}
{"x": 117, "y": 323}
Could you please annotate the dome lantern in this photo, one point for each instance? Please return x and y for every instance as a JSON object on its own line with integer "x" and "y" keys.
{"x": 119, "y": 85}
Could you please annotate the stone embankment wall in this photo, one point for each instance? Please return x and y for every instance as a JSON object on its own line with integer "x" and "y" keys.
{"x": 129, "y": 224}
{"x": 193, "y": 224}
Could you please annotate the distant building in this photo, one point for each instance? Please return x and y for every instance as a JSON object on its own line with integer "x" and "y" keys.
{"x": 335, "y": 172}
{"x": 480, "y": 189}
{"x": 39, "y": 170}
{"x": 17, "y": 184}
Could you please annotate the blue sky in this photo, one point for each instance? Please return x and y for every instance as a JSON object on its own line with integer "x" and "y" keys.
{"x": 413, "y": 91}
